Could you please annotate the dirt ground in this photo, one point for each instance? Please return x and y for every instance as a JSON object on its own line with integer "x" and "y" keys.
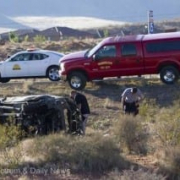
{"x": 104, "y": 100}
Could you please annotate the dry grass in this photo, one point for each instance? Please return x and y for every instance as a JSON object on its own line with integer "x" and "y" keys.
{"x": 92, "y": 154}
{"x": 109, "y": 133}
{"x": 131, "y": 134}
{"x": 171, "y": 160}
{"x": 134, "y": 175}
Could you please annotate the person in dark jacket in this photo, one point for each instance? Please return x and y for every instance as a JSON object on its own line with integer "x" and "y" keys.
{"x": 83, "y": 106}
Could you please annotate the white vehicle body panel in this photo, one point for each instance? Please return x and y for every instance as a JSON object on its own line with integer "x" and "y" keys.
{"x": 13, "y": 69}
{"x": 29, "y": 67}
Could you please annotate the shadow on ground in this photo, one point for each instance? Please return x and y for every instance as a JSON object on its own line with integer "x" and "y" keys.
{"x": 163, "y": 94}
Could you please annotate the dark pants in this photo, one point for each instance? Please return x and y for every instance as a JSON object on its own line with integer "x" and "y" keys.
{"x": 131, "y": 108}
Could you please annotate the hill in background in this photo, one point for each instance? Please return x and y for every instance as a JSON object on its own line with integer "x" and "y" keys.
{"x": 58, "y": 33}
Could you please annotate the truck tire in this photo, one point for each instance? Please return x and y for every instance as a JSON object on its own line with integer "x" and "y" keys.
{"x": 169, "y": 75}
{"x": 77, "y": 80}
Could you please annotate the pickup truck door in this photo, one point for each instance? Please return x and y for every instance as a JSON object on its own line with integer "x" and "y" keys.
{"x": 104, "y": 62}
{"x": 131, "y": 59}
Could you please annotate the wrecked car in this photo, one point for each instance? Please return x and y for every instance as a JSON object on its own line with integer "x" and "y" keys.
{"x": 40, "y": 114}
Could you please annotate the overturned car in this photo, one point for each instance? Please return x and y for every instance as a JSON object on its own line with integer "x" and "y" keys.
{"x": 41, "y": 114}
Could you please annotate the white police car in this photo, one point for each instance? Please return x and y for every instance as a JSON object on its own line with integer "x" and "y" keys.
{"x": 30, "y": 64}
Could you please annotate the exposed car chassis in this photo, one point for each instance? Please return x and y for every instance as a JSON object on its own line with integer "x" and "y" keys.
{"x": 40, "y": 114}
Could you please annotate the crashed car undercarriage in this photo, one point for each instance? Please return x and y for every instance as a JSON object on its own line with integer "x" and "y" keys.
{"x": 40, "y": 114}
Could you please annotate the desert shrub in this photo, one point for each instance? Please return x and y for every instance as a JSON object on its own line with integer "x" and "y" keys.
{"x": 102, "y": 124}
{"x": 13, "y": 37}
{"x": 168, "y": 125}
{"x": 10, "y": 134}
{"x": 134, "y": 175}
{"x": 169, "y": 132}
{"x": 92, "y": 154}
{"x": 39, "y": 39}
{"x": 27, "y": 85}
{"x": 170, "y": 162}
{"x": 26, "y": 38}
{"x": 11, "y": 158}
{"x": 105, "y": 32}
{"x": 148, "y": 109}
{"x": 131, "y": 134}
{"x": 97, "y": 155}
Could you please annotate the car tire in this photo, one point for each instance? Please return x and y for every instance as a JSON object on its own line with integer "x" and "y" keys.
{"x": 77, "y": 80}
{"x": 53, "y": 73}
{"x": 4, "y": 80}
{"x": 169, "y": 75}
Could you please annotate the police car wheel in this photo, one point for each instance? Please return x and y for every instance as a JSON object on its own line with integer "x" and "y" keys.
{"x": 77, "y": 81}
{"x": 4, "y": 80}
{"x": 53, "y": 73}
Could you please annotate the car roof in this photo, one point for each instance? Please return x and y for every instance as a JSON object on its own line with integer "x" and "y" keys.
{"x": 117, "y": 39}
{"x": 159, "y": 36}
{"x": 40, "y": 51}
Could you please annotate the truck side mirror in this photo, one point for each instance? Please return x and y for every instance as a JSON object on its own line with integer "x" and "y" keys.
{"x": 96, "y": 57}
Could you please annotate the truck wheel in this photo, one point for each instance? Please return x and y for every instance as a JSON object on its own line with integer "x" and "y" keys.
{"x": 77, "y": 81}
{"x": 169, "y": 75}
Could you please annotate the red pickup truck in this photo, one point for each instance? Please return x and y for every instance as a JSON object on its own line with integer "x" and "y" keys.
{"x": 124, "y": 56}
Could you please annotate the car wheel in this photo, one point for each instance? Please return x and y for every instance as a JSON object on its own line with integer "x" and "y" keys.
{"x": 169, "y": 75}
{"x": 4, "y": 80}
{"x": 53, "y": 73}
{"x": 77, "y": 81}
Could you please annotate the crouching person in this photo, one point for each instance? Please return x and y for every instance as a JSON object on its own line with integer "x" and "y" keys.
{"x": 130, "y": 99}
{"x": 83, "y": 106}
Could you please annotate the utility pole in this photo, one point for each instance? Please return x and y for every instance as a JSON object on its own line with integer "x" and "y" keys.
{"x": 150, "y": 22}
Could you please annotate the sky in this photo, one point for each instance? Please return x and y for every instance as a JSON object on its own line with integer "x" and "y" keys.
{"x": 115, "y": 10}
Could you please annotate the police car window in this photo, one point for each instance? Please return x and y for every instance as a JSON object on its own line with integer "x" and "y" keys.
{"x": 21, "y": 57}
{"x": 44, "y": 56}
{"x": 39, "y": 56}
{"x": 36, "y": 56}
{"x": 128, "y": 50}
{"x": 107, "y": 51}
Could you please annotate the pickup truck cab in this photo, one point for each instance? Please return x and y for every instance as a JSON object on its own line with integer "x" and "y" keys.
{"x": 124, "y": 56}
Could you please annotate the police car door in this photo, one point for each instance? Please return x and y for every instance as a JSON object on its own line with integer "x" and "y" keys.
{"x": 16, "y": 66}
{"x": 38, "y": 64}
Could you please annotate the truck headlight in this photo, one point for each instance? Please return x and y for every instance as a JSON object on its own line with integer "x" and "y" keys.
{"x": 62, "y": 66}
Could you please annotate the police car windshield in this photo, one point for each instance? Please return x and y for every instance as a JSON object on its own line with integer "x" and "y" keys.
{"x": 93, "y": 50}
{"x": 8, "y": 58}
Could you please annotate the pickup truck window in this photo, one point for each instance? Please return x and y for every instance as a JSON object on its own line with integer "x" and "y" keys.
{"x": 107, "y": 51}
{"x": 163, "y": 46}
{"x": 128, "y": 50}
